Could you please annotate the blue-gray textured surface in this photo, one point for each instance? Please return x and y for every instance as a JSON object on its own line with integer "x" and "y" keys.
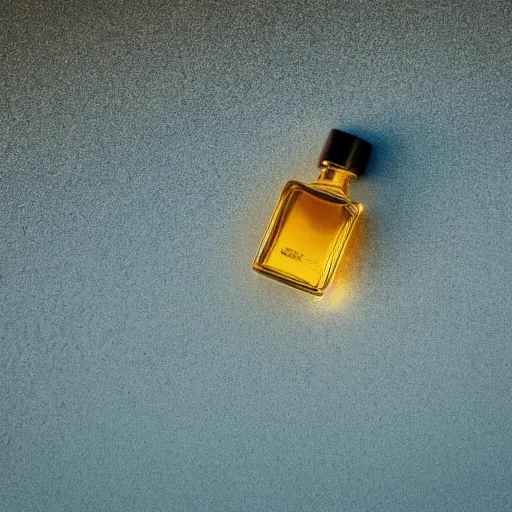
{"x": 145, "y": 366}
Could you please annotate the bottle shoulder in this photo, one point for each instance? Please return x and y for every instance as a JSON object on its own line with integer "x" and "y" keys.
{"x": 325, "y": 192}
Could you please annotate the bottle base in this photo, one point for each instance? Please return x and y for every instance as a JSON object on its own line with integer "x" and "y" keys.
{"x": 288, "y": 279}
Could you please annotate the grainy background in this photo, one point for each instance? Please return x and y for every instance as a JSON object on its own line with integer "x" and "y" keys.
{"x": 145, "y": 366}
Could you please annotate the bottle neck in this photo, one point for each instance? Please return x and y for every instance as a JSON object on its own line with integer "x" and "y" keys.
{"x": 335, "y": 176}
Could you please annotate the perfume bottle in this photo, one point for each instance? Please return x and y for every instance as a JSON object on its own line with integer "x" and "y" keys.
{"x": 311, "y": 224}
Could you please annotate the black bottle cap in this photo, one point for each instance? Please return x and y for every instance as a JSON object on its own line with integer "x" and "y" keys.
{"x": 346, "y": 150}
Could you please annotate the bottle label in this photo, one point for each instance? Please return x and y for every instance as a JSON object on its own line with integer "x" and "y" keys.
{"x": 290, "y": 253}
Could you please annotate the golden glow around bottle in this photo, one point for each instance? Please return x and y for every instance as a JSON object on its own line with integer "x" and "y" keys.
{"x": 308, "y": 232}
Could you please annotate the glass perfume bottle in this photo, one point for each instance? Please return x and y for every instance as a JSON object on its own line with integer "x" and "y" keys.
{"x": 311, "y": 224}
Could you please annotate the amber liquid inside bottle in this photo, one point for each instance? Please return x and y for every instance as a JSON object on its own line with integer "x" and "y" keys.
{"x": 309, "y": 230}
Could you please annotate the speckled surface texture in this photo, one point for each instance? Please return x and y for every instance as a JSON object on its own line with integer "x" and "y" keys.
{"x": 145, "y": 366}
